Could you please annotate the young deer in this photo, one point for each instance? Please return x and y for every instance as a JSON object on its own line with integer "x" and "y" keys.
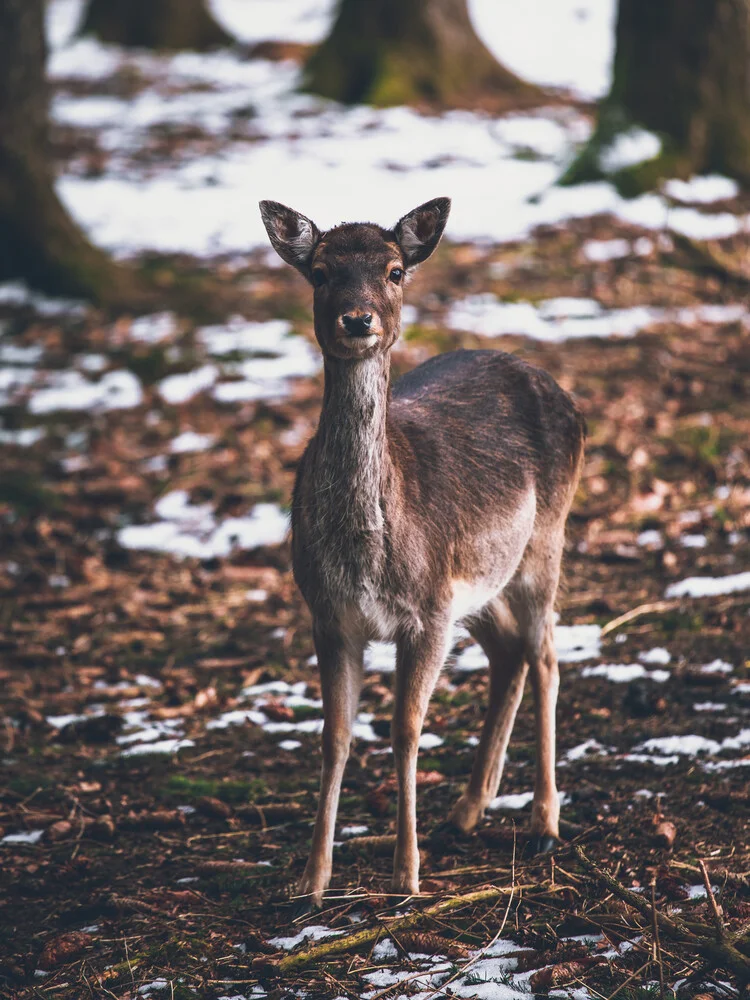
{"x": 442, "y": 497}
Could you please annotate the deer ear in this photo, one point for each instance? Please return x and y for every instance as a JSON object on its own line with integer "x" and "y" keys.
{"x": 293, "y": 236}
{"x": 419, "y": 232}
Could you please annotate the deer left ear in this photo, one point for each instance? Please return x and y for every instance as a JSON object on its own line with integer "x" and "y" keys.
{"x": 293, "y": 236}
{"x": 419, "y": 232}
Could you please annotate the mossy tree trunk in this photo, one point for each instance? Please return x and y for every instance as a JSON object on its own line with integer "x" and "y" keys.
{"x": 155, "y": 24}
{"x": 387, "y": 52}
{"x": 39, "y": 242}
{"x": 682, "y": 71}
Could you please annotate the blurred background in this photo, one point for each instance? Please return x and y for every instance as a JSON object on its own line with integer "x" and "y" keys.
{"x": 159, "y": 379}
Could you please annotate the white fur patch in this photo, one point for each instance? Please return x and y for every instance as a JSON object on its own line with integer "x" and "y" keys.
{"x": 301, "y": 245}
{"x": 408, "y": 236}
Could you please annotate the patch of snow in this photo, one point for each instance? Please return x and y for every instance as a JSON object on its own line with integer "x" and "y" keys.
{"x": 429, "y": 741}
{"x": 315, "y": 932}
{"x": 154, "y": 328}
{"x": 13, "y": 354}
{"x": 717, "y": 667}
{"x": 470, "y": 659}
{"x": 384, "y": 951}
{"x": 589, "y": 748}
{"x": 192, "y": 531}
{"x": 353, "y": 831}
{"x": 599, "y": 251}
{"x": 26, "y": 837}
{"x": 575, "y": 643}
{"x": 687, "y": 746}
{"x": 60, "y": 721}
{"x": 189, "y": 441}
{"x": 237, "y": 717}
{"x": 155, "y": 984}
{"x": 92, "y": 363}
{"x": 244, "y": 337}
{"x": 177, "y": 389}
{"x": 290, "y": 745}
{"x": 69, "y": 390}
{"x": 693, "y": 541}
{"x": 629, "y": 149}
{"x": 645, "y": 758}
{"x": 160, "y": 746}
{"x": 381, "y": 657}
{"x": 702, "y": 190}
{"x": 16, "y": 293}
{"x": 511, "y": 803}
{"x": 622, "y": 673}
{"x": 709, "y": 586}
{"x": 656, "y": 655}
{"x": 709, "y": 706}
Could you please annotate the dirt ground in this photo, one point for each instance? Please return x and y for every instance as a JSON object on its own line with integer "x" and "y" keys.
{"x": 133, "y": 886}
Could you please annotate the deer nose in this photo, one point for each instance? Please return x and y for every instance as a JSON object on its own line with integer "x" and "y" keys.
{"x": 357, "y": 324}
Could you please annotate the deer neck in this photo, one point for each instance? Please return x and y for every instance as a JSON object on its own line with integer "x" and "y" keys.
{"x": 352, "y": 443}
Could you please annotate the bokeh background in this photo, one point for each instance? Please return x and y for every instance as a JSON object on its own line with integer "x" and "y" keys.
{"x": 159, "y": 379}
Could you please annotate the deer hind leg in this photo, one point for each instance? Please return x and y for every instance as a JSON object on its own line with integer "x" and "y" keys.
{"x": 418, "y": 663}
{"x": 497, "y": 633}
{"x": 340, "y": 662}
{"x": 532, "y": 601}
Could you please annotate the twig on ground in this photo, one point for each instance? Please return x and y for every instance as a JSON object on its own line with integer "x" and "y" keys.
{"x": 716, "y": 913}
{"x": 365, "y": 937}
{"x": 657, "y": 944}
{"x": 727, "y": 951}
{"x": 653, "y": 608}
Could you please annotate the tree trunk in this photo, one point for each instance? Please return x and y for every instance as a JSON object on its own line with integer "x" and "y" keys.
{"x": 39, "y": 242}
{"x": 155, "y": 24}
{"x": 387, "y": 52}
{"x": 682, "y": 71}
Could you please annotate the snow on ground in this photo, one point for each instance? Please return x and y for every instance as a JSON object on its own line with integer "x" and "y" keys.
{"x": 709, "y": 586}
{"x": 336, "y": 163}
{"x": 184, "y": 529}
{"x": 565, "y": 318}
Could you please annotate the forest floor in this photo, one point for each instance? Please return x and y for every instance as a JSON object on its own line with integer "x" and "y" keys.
{"x": 125, "y": 872}
{"x": 160, "y": 704}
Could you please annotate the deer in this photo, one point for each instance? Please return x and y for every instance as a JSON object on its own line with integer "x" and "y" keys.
{"x": 438, "y": 498}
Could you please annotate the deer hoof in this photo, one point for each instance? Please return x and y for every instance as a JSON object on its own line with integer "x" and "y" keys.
{"x": 465, "y": 815}
{"x": 304, "y": 907}
{"x": 544, "y": 843}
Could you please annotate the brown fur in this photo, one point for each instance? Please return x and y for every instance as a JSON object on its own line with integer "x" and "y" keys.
{"x": 441, "y": 498}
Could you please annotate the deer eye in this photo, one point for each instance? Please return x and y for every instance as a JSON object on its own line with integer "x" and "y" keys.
{"x": 319, "y": 277}
{"x": 396, "y": 275}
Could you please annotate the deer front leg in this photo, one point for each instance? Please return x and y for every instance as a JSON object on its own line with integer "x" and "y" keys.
{"x": 340, "y": 663}
{"x": 418, "y": 662}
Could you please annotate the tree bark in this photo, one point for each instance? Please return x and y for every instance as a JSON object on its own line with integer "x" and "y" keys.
{"x": 155, "y": 24}
{"x": 682, "y": 71}
{"x": 387, "y": 52}
{"x": 39, "y": 242}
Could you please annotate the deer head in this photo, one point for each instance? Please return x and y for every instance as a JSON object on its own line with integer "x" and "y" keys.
{"x": 357, "y": 271}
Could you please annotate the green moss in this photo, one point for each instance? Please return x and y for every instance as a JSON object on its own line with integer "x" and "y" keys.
{"x": 26, "y": 494}
{"x": 181, "y": 787}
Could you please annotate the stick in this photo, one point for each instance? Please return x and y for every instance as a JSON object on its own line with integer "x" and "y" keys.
{"x": 711, "y": 900}
{"x": 720, "y": 953}
{"x": 657, "y": 943}
{"x": 655, "y": 607}
{"x": 364, "y": 937}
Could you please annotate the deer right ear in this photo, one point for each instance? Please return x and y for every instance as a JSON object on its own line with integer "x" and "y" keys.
{"x": 293, "y": 236}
